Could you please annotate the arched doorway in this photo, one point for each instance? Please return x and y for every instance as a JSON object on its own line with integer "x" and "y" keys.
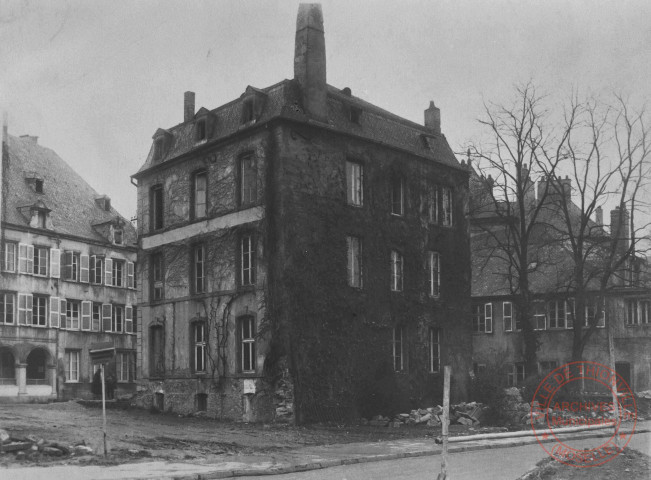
{"x": 7, "y": 367}
{"x": 37, "y": 367}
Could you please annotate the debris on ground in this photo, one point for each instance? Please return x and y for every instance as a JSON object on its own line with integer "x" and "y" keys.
{"x": 30, "y": 447}
{"x": 468, "y": 414}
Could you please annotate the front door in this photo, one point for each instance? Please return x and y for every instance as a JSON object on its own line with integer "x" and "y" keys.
{"x": 623, "y": 369}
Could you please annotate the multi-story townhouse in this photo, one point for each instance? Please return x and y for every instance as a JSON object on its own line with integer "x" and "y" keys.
{"x": 67, "y": 282}
{"x": 302, "y": 250}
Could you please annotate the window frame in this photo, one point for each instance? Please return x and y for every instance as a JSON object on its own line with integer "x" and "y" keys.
{"x": 397, "y": 196}
{"x": 247, "y": 254}
{"x": 247, "y": 180}
{"x": 196, "y": 212}
{"x": 70, "y": 355}
{"x": 13, "y": 248}
{"x": 156, "y": 208}
{"x": 434, "y": 347}
{"x": 157, "y": 265}
{"x": 123, "y": 374}
{"x": 198, "y": 270}
{"x": 4, "y": 313}
{"x": 199, "y": 347}
{"x": 397, "y": 271}
{"x": 354, "y": 173}
{"x": 512, "y": 323}
{"x": 72, "y": 266}
{"x": 354, "y": 260}
{"x": 118, "y": 272}
{"x": 73, "y": 314}
{"x": 447, "y": 206}
{"x": 434, "y": 277}
{"x": 247, "y": 345}
{"x": 118, "y": 318}
{"x": 36, "y": 310}
{"x": 398, "y": 351}
{"x": 482, "y": 317}
{"x": 156, "y": 352}
{"x": 41, "y": 261}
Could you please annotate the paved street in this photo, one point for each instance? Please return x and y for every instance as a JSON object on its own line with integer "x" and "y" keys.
{"x": 492, "y": 464}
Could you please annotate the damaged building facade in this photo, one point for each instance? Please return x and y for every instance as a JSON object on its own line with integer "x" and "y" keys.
{"x": 67, "y": 281}
{"x": 304, "y": 254}
{"x": 498, "y": 342}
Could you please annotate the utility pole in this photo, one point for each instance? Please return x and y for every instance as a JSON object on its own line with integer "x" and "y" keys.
{"x": 445, "y": 423}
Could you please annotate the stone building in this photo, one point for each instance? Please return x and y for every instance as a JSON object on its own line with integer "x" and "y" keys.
{"x": 497, "y": 333}
{"x": 67, "y": 281}
{"x": 303, "y": 252}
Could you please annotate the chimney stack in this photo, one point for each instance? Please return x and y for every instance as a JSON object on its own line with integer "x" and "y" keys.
{"x": 188, "y": 106}
{"x": 600, "y": 215}
{"x": 619, "y": 227}
{"x": 433, "y": 118}
{"x": 310, "y": 60}
{"x": 5, "y": 123}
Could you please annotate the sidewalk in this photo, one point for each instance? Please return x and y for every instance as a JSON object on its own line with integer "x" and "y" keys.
{"x": 298, "y": 460}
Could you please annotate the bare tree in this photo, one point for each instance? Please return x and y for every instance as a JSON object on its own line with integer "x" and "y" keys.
{"x": 523, "y": 146}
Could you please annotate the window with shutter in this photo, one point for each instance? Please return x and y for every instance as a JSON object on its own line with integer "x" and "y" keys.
{"x": 86, "y": 308}
{"x": 55, "y": 263}
{"x": 107, "y": 311}
{"x": 108, "y": 272}
{"x": 54, "y": 312}
{"x": 130, "y": 275}
{"x": 23, "y": 256}
{"x": 25, "y": 303}
{"x": 128, "y": 319}
{"x": 84, "y": 268}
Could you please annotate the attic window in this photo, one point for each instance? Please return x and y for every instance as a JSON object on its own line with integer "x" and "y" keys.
{"x": 201, "y": 130}
{"x": 38, "y": 186}
{"x": 118, "y": 236}
{"x": 355, "y": 114}
{"x": 247, "y": 111}
{"x": 159, "y": 143}
{"x": 107, "y": 204}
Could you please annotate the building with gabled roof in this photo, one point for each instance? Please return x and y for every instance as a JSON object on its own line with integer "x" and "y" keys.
{"x": 305, "y": 254}
{"x": 68, "y": 279}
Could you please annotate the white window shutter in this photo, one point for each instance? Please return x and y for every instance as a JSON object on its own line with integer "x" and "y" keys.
{"x": 54, "y": 312}
{"x": 130, "y": 274}
{"x": 84, "y": 275}
{"x": 107, "y": 311}
{"x": 86, "y": 311}
{"x": 55, "y": 263}
{"x": 22, "y": 258}
{"x": 30, "y": 258}
{"x": 108, "y": 272}
{"x": 128, "y": 319}
{"x": 65, "y": 321}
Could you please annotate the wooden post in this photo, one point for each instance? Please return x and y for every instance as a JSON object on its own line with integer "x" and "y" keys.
{"x": 445, "y": 422}
{"x": 611, "y": 365}
{"x": 103, "y": 408}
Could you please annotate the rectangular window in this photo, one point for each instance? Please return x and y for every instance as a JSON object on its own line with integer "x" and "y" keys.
{"x": 482, "y": 318}
{"x": 199, "y": 347}
{"x": 25, "y": 308}
{"x": 398, "y": 360}
{"x": 25, "y": 258}
{"x": 594, "y": 314}
{"x": 10, "y": 257}
{"x": 157, "y": 351}
{"x": 645, "y": 305}
{"x": 7, "y": 308}
{"x": 73, "y": 314}
{"x": 96, "y": 270}
{"x": 118, "y": 268}
{"x": 637, "y": 312}
{"x": 248, "y": 180}
{"x": 247, "y": 258}
{"x": 156, "y": 207}
{"x": 72, "y": 365}
{"x": 396, "y": 271}
{"x": 508, "y": 316}
{"x": 55, "y": 263}
{"x": 516, "y": 374}
{"x": 547, "y": 366}
{"x": 446, "y": 194}
{"x": 128, "y": 319}
{"x": 434, "y": 279}
{"x": 122, "y": 363}
{"x": 117, "y": 320}
{"x": 354, "y": 184}
{"x": 354, "y": 261}
{"x": 131, "y": 275}
{"x": 39, "y": 311}
{"x": 40, "y": 261}
{"x": 157, "y": 283}
{"x": 199, "y": 188}
{"x": 84, "y": 268}
{"x": 247, "y": 344}
{"x": 539, "y": 316}
{"x": 198, "y": 268}
{"x": 397, "y": 196}
{"x": 434, "y": 350}
{"x": 96, "y": 320}
{"x": 433, "y": 213}
{"x": 71, "y": 266}
{"x": 557, "y": 314}
{"x": 107, "y": 317}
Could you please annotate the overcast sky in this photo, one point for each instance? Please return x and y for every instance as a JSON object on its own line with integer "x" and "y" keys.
{"x": 95, "y": 79}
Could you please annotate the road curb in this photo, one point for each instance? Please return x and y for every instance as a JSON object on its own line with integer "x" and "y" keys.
{"x": 304, "y": 467}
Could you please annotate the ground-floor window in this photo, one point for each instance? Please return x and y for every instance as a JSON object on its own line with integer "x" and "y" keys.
{"x": 7, "y": 367}
{"x": 515, "y": 375}
{"x": 72, "y": 365}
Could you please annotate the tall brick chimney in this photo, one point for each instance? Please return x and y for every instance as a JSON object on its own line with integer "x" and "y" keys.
{"x": 188, "y": 106}
{"x": 310, "y": 60}
{"x": 619, "y": 228}
{"x": 599, "y": 213}
{"x": 433, "y": 118}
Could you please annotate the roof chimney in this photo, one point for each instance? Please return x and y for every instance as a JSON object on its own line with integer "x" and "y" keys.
{"x": 310, "y": 59}
{"x": 600, "y": 215}
{"x": 619, "y": 227}
{"x": 433, "y": 118}
{"x": 188, "y": 106}
{"x": 5, "y": 123}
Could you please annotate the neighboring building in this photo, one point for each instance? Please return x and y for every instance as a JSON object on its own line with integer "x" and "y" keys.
{"x": 497, "y": 336}
{"x": 301, "y": 250}
{"x": 67, "y": 279}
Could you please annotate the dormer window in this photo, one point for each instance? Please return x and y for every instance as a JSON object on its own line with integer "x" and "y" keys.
{"x": 41, "y": 219}
{"x": 162, "y": 142}
{"x": 38, "y": 186}
{"x": 118, "y": 236}
{"x": 200, "y": 133}
{"x": 159, "y": 144}
{"x": 355, "y": 114}
{"x": 253, "y": 101}
{"x": 247, "y": 111}
{"x": 104, "y": 203}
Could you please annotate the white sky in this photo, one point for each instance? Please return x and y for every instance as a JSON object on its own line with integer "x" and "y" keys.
{"x": 95, "y": 79}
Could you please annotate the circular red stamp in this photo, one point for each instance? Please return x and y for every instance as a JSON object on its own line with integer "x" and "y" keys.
{"x": 561, "y": 405}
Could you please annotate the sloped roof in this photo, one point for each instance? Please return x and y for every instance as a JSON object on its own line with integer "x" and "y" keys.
{"x": 68, "y": 196}
{"x": 283, "y": 100}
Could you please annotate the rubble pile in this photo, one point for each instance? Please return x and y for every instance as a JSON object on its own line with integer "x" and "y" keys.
{"x": 463, "y": 413}
{"x": 30, "y": 447}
